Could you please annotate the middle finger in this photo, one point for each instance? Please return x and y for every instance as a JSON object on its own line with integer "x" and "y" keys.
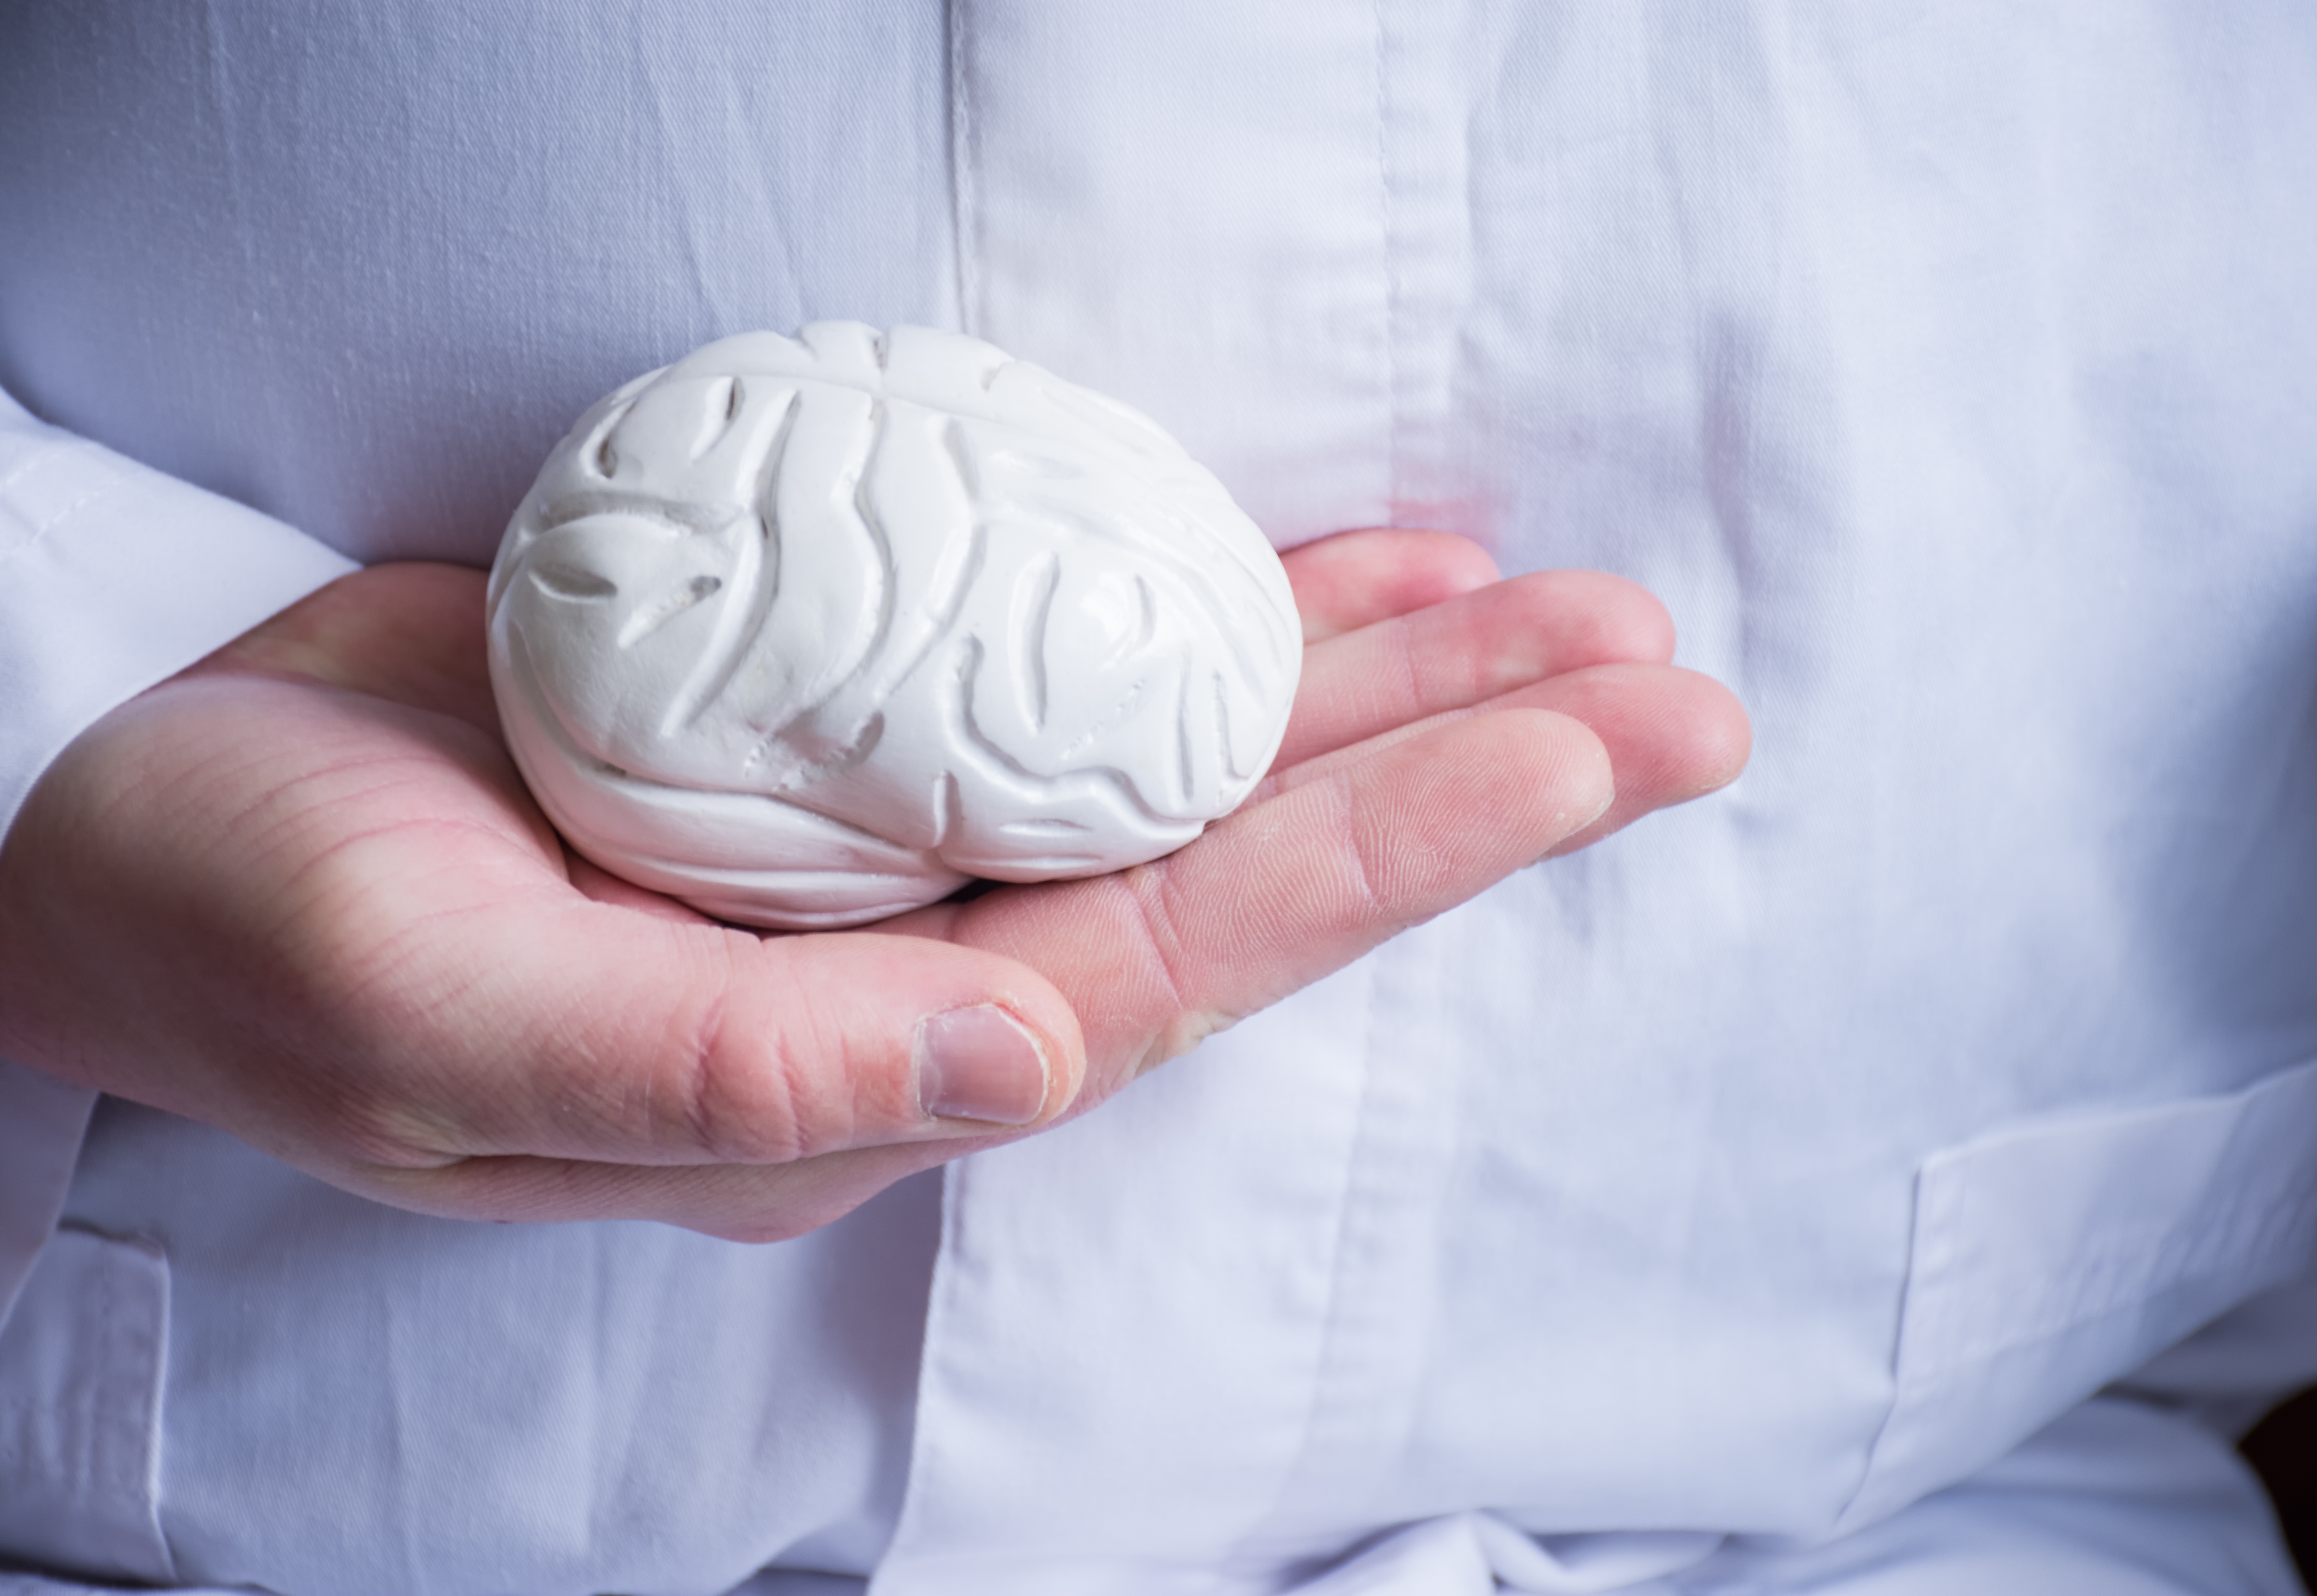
{"x": 1467, "y": 650}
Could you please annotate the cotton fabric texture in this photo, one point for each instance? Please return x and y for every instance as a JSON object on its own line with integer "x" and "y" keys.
{"x": 1893, "y": 1175}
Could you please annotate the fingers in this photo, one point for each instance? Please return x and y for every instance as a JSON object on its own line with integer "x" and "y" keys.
{"x": 1353, "y": 848}
{"x": 1467, "y": 650}
{"x": 1671, "y": 735}
{"x": 1299, "y": 885}
{"x": 628, "y": 1029}
{"x": 426, "y": 985}
{"x": 759, "y": 1142}
{"x": 421, "y": 995}
{"x": 1355, "y": 579}
{"x": 586, "y": 1032}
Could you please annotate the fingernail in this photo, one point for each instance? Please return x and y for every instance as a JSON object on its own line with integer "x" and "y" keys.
{"x": 980, "y": 1063}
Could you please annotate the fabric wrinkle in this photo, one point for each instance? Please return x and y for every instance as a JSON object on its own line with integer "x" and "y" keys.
{"x": 1389, "y": 256}
{"x": 965, "y": 224}
{"x": 1770, "y": 1168}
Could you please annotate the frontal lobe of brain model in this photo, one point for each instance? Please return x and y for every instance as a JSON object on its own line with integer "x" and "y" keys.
{"x": 811, "y": 631}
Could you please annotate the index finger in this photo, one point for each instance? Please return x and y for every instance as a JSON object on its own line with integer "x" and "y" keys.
{"x": 1292, "y": 887}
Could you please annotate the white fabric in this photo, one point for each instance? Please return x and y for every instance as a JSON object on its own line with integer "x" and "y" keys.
{"x": 361, "y": 1399}
{"x": 1763, "y": 1171}
{"x": 2117, "y": 1499}
{"x": 1881, "y": 356}
{"x": 80, "y": 1473}
{"x": 113, "y": 576}
{"x": 39, "y": 1138}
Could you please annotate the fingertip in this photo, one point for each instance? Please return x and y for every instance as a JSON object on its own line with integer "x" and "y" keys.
{"x": 1721, "y": 736}
{"x": 1580, "y": 782}
{"x": 1626, "y": 623}
{"x": 1031, "y": 1003}
{"x": 1674, "y": 735}
{"x": 1645, "y": 626}
{"x": 1451, "y": 562}
{"x": 1541, "y": 775}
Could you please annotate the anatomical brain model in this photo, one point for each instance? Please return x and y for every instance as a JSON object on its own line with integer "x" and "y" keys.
{"x": 811, "y": 631}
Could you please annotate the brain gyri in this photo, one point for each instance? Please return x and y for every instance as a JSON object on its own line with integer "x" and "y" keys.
{"x": 810, "y": 631}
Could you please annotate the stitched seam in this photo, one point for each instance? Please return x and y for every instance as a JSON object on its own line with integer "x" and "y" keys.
{"x": 104, "y": 1466}
{"x": 963, "y": 215}
{"x": 1301, "y": 1463}
{"x": 1910, "y": 1287}
{"x": 156, "y": 1418}
{"x": 1303, "y": 1460}
{"x": 2249, "y": 1238}
{"x": 1391, "y": 282}
{"x": 928, "y": 1458}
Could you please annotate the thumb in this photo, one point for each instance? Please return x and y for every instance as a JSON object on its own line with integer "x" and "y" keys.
{"x": 597, "y": 1033}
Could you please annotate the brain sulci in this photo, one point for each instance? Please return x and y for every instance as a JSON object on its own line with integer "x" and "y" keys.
{"x": 808, "y": 631}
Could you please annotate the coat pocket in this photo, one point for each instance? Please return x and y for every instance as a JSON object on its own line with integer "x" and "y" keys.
{"x": 83, "y": 1358}
{"x": 2049, "y": 1260}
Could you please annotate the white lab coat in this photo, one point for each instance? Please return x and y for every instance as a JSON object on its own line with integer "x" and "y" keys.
{"x": 1752, "y": 1203}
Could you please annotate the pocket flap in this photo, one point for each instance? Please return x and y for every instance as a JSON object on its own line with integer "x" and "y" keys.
{"x": 81, "y": 1361}
{"x": 2048, "y": 1261}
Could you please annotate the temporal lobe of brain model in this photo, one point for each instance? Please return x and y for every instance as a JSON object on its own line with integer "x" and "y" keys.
{"x": 811, "y": 631}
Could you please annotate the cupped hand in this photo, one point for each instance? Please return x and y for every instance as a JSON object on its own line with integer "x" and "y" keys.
{"x": 299, "y": 892}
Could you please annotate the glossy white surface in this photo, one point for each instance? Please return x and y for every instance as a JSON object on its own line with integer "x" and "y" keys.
{"x": 811, "y": 631}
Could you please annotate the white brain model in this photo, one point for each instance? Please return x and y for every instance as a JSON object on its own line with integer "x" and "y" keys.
{"x": 811, "y": 631}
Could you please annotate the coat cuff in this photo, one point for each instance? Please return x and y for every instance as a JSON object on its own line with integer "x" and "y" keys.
{"x": 113, "y": 577}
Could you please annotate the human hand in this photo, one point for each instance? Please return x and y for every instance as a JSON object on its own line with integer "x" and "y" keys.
{"x": 299, "y": 893}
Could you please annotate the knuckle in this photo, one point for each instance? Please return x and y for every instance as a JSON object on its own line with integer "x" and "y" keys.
{"x": 1366, "y": 840}
{"x": 1152, "y": 899}
{"x": 766, "y": 1076}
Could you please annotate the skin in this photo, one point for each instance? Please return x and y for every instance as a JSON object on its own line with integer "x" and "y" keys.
{"x": 299, "y": 892}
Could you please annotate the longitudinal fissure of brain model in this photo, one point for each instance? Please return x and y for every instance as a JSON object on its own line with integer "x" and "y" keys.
{"x": 810, "y": 631}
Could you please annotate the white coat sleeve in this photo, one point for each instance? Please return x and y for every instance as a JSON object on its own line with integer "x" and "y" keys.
{"x": 112, "y": 576}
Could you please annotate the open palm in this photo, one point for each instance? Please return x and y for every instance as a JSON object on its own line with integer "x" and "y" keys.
{"x": 299, "y": 893}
